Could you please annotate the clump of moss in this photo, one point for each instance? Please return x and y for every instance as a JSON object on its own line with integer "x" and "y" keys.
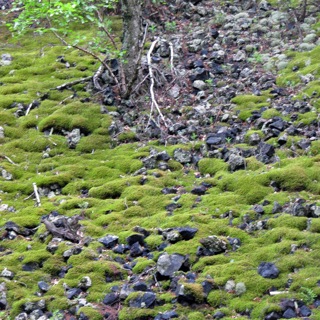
{"x": 245, "y": 104}
{"x": 127, "y": 313}
{"x": 194, "y": 290}
{"x": 112, "y": 189}
{"x": 91, "y": 313}
{"x": 142, "y": 264}
{"x": 291, "y": 178}
{"x": 196, "y": 315}
{"x": 212, "y": 166}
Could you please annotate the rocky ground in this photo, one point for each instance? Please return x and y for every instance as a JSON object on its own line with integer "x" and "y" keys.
{"x": 207, "y": 210}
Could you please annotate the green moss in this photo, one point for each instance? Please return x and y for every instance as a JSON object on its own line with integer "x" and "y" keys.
{"x": 196, "y": 315}
{"x": 112, "y": 189}
{"x": 263, "y": 308}
{"x": 288, "y": 221}
{"x": 128, "y": 136}
{"x": 135, "y": 313}
{"x": 248, "y": 103}
{"x": 270, "y": 113}
{"x": 195, "y": 290}
{"x": 142, "y": 264}
{"x": 53, "y": 265}
{"x": 218, "y": 298}
{"x": 153, "y": 241}
{"x": 91, "y": 313}
{"x": 135, "y": 193}
{"x": 211, "y": 166}
{"x": 93, "y": 142}
{"x": 292, "y": 178}
{"x": 249, "y": 186}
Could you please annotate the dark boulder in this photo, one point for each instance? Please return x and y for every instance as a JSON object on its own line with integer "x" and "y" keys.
{"x": 268, "y": 270}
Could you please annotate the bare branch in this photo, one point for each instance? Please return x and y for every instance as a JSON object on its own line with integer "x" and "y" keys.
{"x": 106, "y": 31}
{"x": 153, "y": 99}
{"x": 8, "y": 159}
{"x": 71, "y": 83}
{"x": 38, "y": 203}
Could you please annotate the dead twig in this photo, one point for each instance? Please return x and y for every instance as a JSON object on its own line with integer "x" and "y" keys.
{"x": 67, "y": 98}
{"x": 72, "y": 83}
{"x": 151, "y": 75}
{"x": 8, "y": 159}
{"x": 35, "y": 189}
{"x": 28, "y": 197}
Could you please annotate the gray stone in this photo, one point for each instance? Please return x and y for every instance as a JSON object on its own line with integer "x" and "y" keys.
{"x": 168, "y": 264}
{"x": 245, "y": 73}
{"x": 240, "y": 288}
{"x": 85, "y": 283}
{"x": 6, "y": 59}
{"x": 7, "y": 274}
{"x": 6, "y": 175}
{"x": 200, "y": 85}
{"x": 230, "y": 286}
{"x": 21, "y": 316}
{"x": 1, "y": 132}
{"x": 254, "y": 139}
{"x": 214, "y": 244}
{"x": 36, "y": 314}
{"x": 172, "y": 236}
{"x": 31, "y": 306}
{"x": 4, "y": 207}
{"x": 73, "y": 138}
{"x": 182, "y": 156}
{"x": 174, "y": 91}
{"x": 236, "y": 162}
{"x": 194, "y": 45}
{"x": 239, "y": 56}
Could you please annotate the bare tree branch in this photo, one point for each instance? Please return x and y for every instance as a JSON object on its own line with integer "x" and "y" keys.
{"x": 153, "y": 99}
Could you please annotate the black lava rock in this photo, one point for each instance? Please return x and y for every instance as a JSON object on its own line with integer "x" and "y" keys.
{"x": 73, "y": 292}
{"x": 110, "y": 298}
{"x": 146, "y": 300}
{"x": 166, "y": 315}
{"x": 43, "y": 286}
{"x": 289, "y": 314}
{"x": 109, "y": 241}
{"x": 135, "y": 238}
{"x": 268, "y": 270}
{"x": 187, "y": 233}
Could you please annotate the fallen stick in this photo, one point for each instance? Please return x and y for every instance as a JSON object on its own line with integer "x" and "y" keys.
{"x": 36, "y": 194}
{"x": 7, "y": 158}
{"x": 153, "y": 99}
{"x": 71, "y": 83}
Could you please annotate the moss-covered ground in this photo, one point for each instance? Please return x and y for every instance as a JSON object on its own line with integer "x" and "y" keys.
{"x": 35, "y": 150}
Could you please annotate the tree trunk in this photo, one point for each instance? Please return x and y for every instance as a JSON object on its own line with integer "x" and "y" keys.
{"x": 132, "y": 32}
